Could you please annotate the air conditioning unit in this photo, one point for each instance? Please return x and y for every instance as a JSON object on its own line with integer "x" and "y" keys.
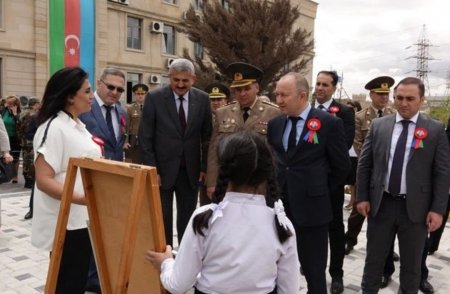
{"x": 157, "y": 27}
{"x": 169, "y": 61}
{"x": 154, "y": 79}
{"x": 123, "y": 2}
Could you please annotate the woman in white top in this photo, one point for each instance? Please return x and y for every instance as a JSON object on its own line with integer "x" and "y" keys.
{"x": 62, "y": 135}
{"x": 242, "y": 242}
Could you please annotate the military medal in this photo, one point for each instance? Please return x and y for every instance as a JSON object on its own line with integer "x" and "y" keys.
{"x": 313, "y": 126}
{"x": 100, "y": 143}
{"x": 419, "y": 135}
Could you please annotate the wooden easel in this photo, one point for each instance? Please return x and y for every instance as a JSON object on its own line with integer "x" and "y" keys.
{"x": 125, "y": 220}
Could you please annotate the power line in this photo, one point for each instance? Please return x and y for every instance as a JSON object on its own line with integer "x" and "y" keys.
{"x": 423, "y": 56}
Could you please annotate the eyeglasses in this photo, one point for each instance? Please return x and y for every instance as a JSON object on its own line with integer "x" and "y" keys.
{"x": 112, "y": 88}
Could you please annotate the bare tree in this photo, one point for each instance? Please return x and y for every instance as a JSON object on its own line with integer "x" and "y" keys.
{"x": 259, "y": 32}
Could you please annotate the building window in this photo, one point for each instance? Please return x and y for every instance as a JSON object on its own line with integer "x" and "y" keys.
{"x": 198, "y": 50}
{"x": 170, "y": 1}
{"x": 134, "y": 78}
{"x": 134, "y": 28}
{"x": 199, "y": 4}
{"x": 168, "y": 42}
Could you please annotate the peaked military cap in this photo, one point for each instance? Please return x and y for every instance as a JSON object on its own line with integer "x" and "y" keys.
{"x": 243, "y": 74}
{"x": 381, "y": 84}
{"x": 217, "y": 91}
{"x": 140, "y": 88}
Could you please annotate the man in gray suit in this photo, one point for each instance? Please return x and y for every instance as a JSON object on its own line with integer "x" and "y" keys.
{"x": 403, "y": 180}
{"x": 174, "y": 134}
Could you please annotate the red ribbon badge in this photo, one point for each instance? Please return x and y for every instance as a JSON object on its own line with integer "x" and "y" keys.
{"x": 313, "y": 126}
{"x": 333, "y": 110}
{"x": 419, "y": 135}
{"x": 123, "y": 123}
{"x": 100, "y": 143}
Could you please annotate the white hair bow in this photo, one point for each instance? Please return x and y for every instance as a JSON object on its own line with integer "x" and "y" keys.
{"x": 281, "y": 215}
{"x": 218, "y": 210}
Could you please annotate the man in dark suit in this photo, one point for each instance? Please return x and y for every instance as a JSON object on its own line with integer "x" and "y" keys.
{"x": 107, "y": 119}
{"x": 174, "y": 134}
{"x": 403, "y": 180}
{"x": 311, "y": 154}
{"x": 326, "y": 83}
{"x": 379, "y": 88}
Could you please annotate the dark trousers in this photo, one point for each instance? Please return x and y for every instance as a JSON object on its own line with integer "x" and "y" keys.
{"x": 203, "y": 195}
{"x": 392, "y": 218}
{"x": 186, "y": 201}
{"x": 312, "y": 247}
{"x": 435, "y": 237}
{"x": 432, "y": 243}
{"x": 73, "y": 271}
{"x": 355, "y": 223}
{"x": 337, "y": 233}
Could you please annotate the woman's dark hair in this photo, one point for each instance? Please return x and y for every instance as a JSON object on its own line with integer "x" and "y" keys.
{"x": 244, "y": 159}
{"x": 62, "y": 86}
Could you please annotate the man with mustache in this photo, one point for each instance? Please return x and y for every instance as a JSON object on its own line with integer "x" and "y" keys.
{"x": 174, "y": 134}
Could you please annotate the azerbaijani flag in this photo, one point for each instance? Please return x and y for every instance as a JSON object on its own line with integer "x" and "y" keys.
{"x": 72, "y": 35}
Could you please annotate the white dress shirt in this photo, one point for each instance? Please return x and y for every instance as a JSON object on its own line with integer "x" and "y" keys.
{"x": 185, "y": 103}
{"x": 300, "y": 125}
{"x": 240, "y": 252}
{"x": 398, "y": 127}
{"x": 114, "y": 118}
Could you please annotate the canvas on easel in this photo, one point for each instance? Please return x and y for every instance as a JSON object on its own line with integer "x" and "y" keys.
{"x": 125, "y": 220}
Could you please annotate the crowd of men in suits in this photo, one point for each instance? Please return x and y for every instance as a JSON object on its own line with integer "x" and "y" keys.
{"x": 403, "y": 172}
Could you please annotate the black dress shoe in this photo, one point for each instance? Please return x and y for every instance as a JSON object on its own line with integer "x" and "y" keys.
{"x": 385, "y": 280}
{"x": 395, "y": 256}
{"x": 348, "y": 248}
{"x": 337, "y": 286}
{"x": 426, "y": 287}
{"x": 29, "y": 215}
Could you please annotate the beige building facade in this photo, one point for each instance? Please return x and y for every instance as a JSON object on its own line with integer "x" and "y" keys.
{"x": 136, "y": 36}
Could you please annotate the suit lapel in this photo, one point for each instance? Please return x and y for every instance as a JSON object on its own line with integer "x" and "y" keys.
{"x": 192, "y": 108}
{"x": 279, "y": 131}
{"x": 172, "y": 108}
{"x": 421, "y": 123}
{"x": 388, "y": 129}
{"x": 99, "y": 118}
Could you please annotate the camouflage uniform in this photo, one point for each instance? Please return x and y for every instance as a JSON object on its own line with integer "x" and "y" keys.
{"x": 27, "y": 147}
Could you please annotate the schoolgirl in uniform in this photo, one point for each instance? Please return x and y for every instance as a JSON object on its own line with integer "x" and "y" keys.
{"x": 243, "y": 241}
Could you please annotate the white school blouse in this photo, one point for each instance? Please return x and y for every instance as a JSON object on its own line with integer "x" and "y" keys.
{"x": 240, "y": 253}
{"x": 65, "y": 138}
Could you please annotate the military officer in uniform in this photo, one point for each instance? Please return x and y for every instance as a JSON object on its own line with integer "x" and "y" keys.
{"x": 134, "y": 111}
{"x": 245, "y": 113}
{"x": 219, "y": 95}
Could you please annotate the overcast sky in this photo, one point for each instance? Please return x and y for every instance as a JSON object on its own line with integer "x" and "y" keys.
{"x": 364, "y": 39}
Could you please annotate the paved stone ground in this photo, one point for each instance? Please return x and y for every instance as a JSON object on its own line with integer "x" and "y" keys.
{"x": 23, "y": 268}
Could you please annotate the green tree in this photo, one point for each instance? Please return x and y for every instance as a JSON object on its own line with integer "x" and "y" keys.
{"x": 441, "y": 112}
{"x": 259, "y": 32}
